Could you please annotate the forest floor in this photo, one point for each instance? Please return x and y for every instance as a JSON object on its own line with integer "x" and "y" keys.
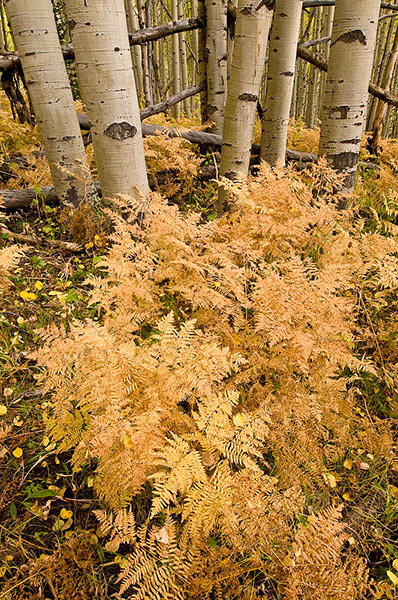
{"x": 50, "y": 546}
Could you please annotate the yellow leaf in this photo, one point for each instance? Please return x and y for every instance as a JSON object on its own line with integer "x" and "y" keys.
{"x": 57, "y": 461}
{"x": 3, "y": 410}
{"x": 394, "y": 491}
{"x": 18, "y": 452}
{"x": 238, "y": 420}
{"x": 2, "y": 571}
{"x": 330, "y": 479}
{"x": 27, "y": 295}
{"x": 20, "y": 320}
{"x": 46, "y": 441}
{"x": 93, "y": 539}
{"x": 18, "y": 421}
{"x": 393, "y": 577}
{"x": 288, "y": 562}
{"x": 351, "y": 541}
{"x": 347, "y": 496}
{"x": 395, "y": 564}
{"x": 348, "y": 463}
{"x": 65, "y": 514}
{"x": 39, "y": 285}
{"x": 128, "y": 442}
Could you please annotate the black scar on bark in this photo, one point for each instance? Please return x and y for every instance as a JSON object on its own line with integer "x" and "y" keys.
{"x": 343, "y": 110}
{"x": 288, "y": 73}
{"x": 352, "y": 141}
{"x": 211, "y": 109}
{"x": 120, "y": 131}
{"x": 72, "y": 197}
{"x": 71, "y": 24}
{"x": 344, "y": 160}
{"x": 357, "y": 35}
{"x": 248, "y": 97}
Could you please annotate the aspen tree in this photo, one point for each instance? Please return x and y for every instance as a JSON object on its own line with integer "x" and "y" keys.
{"x": 251, "y": 36}
{"x": 381, "y": 105}
{"x": 136, "y": 57}
{"x": 175, "y": 58}
{"x": 106, "y": 81}
{"x": 216, "y": 51}
{"x": 346, "y": 94}
{"x": 36, "y": 40}
{"x": 183, "y": 59}
{"x": 281, "y": 67}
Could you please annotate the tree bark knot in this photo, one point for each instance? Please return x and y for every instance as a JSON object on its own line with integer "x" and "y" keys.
{"x": 120, "y": 131}
{"x": 357, "y": 35}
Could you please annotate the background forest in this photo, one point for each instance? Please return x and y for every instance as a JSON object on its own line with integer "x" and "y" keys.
{"x": 198, "y": 300}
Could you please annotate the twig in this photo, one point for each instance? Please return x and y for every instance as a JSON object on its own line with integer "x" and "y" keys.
{"x": 69, "y": 246}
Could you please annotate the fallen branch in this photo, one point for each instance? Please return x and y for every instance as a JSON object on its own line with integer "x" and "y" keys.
{"x": 10, "y": 60}
{"x": 151, "y": 110}
{"x": 318, "y": 61}
{"x": 31, "y": 239}
{"x": 315, "y": 3}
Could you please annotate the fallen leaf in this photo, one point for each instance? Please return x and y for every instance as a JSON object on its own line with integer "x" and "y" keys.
{"x": 238, "y": 420}
{"x": 162, "y": 536}
{"x": 393, "y": 577}
{"x": 18, "y": 452}
{"x": 66, "y": 514}
{"x": 3, "y": 410}
{"x": 39, "y": 285}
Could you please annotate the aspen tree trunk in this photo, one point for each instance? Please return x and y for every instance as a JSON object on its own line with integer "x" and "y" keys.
{"x": 136, "y": 58}
{"x": 382, "y": 106}
{"x": 202, "y": 59}
{"x": 230, "y": 44}
{"x": 36, "y": 40}
{"x": 216, "y": 51}
{"x": 183, "y": 60}
{"x": 281, "y": 66}
{"x": 146, "y": 79}
{"x": 301, "y": 76}
{"x": 329, "y": 17}
{"x": 383, "y": 44}
{"x": 346, "y": 94}
{"x": 251, "y": 36}
{"x": 106, "y": 81}
{"x": 175, "y": 59}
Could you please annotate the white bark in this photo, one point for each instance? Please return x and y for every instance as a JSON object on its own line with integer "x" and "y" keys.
{"x": 281, "y": 67}
{"x": 251, "y": 36}
{"x": 216, "y": 51}
{"x": 346, "y": 94}
{"x": 136, "y": 58}
{"x": 106, "y": 81}
{"x": 175, "y": 45}
{"x": 36, "y": 39}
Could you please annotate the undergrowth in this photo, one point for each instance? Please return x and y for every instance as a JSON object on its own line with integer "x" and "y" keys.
{"x": 205, "y": 408}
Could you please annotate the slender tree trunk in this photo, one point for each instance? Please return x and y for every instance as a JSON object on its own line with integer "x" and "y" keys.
{"x": 146, "y": 79}
{"x": 202, "y": 58}
{"x": 381, "y": 105}
{"x": 183, "y": 59}
{"x": 106, "y": 81}
{"x": 216, "y": 50}
{"x": 281, "y": 66}
{"x": 346, "y": 95}
{"x": 136, "y": 58}
{"x": 36, "y": 40}
{"x": 251, "y": 36}
{"x": 383, "y": 44}
{"x": 176, "y": 60}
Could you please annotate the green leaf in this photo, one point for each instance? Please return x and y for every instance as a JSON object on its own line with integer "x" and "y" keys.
{"x": 13, "y": 511}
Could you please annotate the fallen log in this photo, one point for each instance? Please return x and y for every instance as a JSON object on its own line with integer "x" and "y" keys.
{"x": 10, "y": 60}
